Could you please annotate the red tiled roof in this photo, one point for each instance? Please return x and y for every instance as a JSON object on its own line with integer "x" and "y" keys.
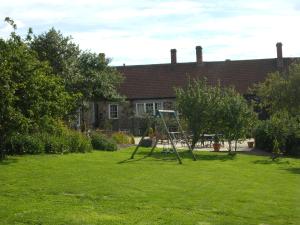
{"x": 159, "y": 80}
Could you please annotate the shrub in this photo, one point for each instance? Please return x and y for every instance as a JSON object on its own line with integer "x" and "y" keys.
{"x": 282, "y": 128}
{"x": 25, "y": 144}
{"x": 56, "y": 144}
{"x": 147, "y": 142}
{"x": 64, "y": 141}
{"x": 68, "y": 141}
{"x": 132, "y": 141}
{"x": 101, "y": 142}
{"x": 121, "y": 138}
{"x": 78, "y": 142}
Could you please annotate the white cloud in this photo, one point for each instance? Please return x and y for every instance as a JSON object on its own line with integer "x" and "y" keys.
{"x": 137, "y": 32}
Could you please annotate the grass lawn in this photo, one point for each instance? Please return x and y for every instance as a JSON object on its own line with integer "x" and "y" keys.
{"x": 102, "y": 188}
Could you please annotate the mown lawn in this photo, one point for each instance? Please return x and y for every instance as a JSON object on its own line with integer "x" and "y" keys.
{"x": 102, "y": 188}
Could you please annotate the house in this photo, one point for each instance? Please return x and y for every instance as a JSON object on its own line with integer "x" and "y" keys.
{"x": 151, "y": 87}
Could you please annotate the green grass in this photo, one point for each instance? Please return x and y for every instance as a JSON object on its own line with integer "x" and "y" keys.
{"x": 105, "y": 188}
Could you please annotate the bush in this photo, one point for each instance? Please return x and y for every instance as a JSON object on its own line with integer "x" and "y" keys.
{"x": 282, "y": 128}
{"x": 121, "y": 138}
{"x": 101, "y": 142}
{"x": 132, "y": 141}
{"x": 63, "y": 142}
{"x": 25, "y": 144}
{"x": 78, "y": 142}
{"x": 69, "y": 141}
{"x": 56, "y": 144}
{"x": 147, "y": 142}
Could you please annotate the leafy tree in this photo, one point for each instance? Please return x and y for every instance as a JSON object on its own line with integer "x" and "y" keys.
{"x": 85, "y": 74}
{"x": 60, "y": 52}
{"x": 212, "y": 109}
{"x": 281, "y": 91}
{"x": 96, "y": 81}
{"x": 29, "y": 92}
{"x": 237, "y": 119}
{"x": 197, "y": 103}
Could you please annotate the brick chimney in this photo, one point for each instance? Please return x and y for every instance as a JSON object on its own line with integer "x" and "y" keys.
{"x": 102, "y": 57}
{"x": 173, "y": 56}
{"x": 199, "y": 58}
{"x": 279, "y": 55}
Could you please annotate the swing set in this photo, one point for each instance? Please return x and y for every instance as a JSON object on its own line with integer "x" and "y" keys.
{"x": 162, "y": 115}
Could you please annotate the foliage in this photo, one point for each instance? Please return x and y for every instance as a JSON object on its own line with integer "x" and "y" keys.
{"x": 60, "y": 52}
{"x": 121, "y": 138}
{"x": 68, "y": 141}
{"x": 86, "y": 75}
{"x": 71, "y": 141}
{"x": 279, "y": 95}
{"x": 97, "y": 81}
{"x": 101, "y": 142}
{"x": 132, "y": 141}
{"x": 282, "y": 129}
{"x": 29, "y": 93}
{"x": 237, "y": 119}
{"x": 213, "y": 109}
{"x": 197, "y": 102}
{"x": 146, "y": 142}
{"x": 25, "y": 144}
{"x": 280, "y": 91}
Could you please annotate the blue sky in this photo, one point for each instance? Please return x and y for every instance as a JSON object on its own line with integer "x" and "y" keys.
{"x": 143, "y": 32}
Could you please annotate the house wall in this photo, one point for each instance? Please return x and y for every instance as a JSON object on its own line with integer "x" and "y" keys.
{"x": 98, "y": 117}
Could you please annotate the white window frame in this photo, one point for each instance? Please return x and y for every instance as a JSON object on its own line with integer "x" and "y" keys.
{"x": 109, "y": 112}
{"x": 136, "y": 108}
{"x": 144, "y": 106}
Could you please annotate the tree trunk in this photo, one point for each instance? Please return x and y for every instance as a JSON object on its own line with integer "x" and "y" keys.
{"x": 235, "y": 145}
{"x": 2, "y": 153}
{"x": 83, "y": 124}
{"x": 229, "y": 146}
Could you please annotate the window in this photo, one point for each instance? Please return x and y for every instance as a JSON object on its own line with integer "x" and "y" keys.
{"x": 140, "y": 109}
{"x": 113, "y": 111}
{"x": 148, "y": 107}
{"x": 158, "y": 105}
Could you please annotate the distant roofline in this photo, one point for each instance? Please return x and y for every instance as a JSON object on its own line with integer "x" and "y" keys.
{"x": 181, "y": 63}
{"x": 204, "y": 62}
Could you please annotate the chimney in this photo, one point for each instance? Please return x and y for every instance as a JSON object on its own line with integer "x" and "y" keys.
{"x": 173, "y": 56}
{"x": 102, "y": 57}
{"x": 199, "y": 58}
{"x": 279, "y": 55}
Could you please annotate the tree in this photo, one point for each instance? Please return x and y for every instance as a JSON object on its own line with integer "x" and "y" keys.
{"x": 213, "y": 109}
{"x": 281, "y": 91}
{"x": 197, "y": 103}
{"x": 237, "y": 119}
{"x": 96, "y": 80}
{"x": 29, "y": 92}
{"x": 86, "y": 75}
{"x": 60, "y": 52}
{"x": 279, "y": 95}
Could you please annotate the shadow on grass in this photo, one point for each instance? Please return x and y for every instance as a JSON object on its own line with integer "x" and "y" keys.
{"x": 294, "y": 170}
{"x": 163, "y": 156}
{"x": 8, "y": 161}
{"x": 221, "y": 157}
{"x": 270, "y": 161}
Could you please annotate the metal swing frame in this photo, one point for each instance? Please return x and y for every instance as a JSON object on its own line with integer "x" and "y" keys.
{"x": 160, "y": 114}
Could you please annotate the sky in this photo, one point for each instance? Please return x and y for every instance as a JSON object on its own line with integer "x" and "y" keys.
{"x": 143, "y": 31}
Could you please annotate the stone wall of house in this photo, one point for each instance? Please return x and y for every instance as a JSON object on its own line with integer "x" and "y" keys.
{"x": 97, "y": 116}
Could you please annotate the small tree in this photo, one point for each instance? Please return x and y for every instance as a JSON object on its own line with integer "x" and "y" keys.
{"x": 197, "y": 103}
{"x": 237, "y": 117}
{"x": 280, "y": 91}
{"x": 217, "y": 110}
